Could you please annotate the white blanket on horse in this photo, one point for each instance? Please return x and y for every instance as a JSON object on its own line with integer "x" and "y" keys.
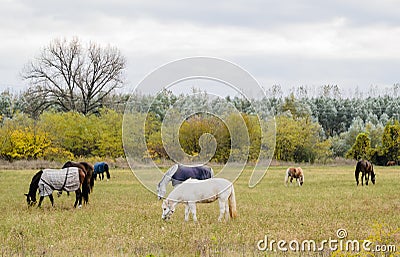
{"x": 65, "y": 179}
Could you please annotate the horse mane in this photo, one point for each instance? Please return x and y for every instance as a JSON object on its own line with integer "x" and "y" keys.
{"x": 168, "y": 175}
{"x": 34, "y": 185}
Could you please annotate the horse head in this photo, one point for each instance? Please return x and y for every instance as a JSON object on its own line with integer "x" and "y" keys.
{"x": 30, "y": 200}
{"x": 168, "y": 210}
{"x": 373, "y": 176}
{"x": 31, "y": 196}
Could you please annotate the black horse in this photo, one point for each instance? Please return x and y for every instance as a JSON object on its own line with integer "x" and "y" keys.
{"x": 100, "y": 168}
{"x": 367, "y": 169}
{"x": 48, "y": 180}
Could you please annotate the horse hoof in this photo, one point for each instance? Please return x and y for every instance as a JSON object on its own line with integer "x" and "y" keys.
{"x": 79, "y": 206}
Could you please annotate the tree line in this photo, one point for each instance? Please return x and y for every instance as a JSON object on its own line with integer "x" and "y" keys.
{"x": 308, "y": 129}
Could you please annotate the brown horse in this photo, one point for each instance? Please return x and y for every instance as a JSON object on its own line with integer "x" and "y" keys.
{"x": 48, "y": 180}
{"x": 88, "y": 185}
{"x": 367, "y": 169}
{"x": 294, "y": 173}
{"x": 390, "y": 163}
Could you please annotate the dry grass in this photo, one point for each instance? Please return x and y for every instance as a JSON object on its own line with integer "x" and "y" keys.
{"x": 124, "y": 219}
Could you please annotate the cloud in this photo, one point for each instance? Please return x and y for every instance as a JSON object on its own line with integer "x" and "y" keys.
{"x": 340, "y": 40}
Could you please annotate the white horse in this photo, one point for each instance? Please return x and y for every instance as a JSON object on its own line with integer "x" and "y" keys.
{"x": 294, "y": 173}
{"x": 179, "y": 173}
{"x": 194, "y": 191}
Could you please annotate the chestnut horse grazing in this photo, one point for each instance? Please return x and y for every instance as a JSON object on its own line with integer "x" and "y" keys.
{"x": 367, "y": 169}
{"x": 194, "y": 191}
{"x": 294, "y": 173}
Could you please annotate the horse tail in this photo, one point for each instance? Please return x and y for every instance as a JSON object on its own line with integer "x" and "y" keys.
{"x": 90, "y": 173}
{"x": 92, "y": 178}
{"x": 372, "y": 174}
{"x": 232, "y": 204}
{"x": 86, "y": 187}
{"x": 106, "y": 169}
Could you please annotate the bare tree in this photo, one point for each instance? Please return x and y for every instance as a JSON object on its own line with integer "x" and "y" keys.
{"x": 69, "y": 77}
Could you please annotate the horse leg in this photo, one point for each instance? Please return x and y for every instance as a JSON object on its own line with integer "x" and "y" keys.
{"x": 226, "y": 209}
{"x": 356, "y": 175}
{"x": 78, "y": 198}
{"x": 192, "y": 207}
{"x": 40, "y": 201}
{"x": 187, "y": 210}
{"x": 362, "y": 179}
{"x": 366, "y": 178}
{"x": 51, "y": 200}
{"x": 222, "y": 207}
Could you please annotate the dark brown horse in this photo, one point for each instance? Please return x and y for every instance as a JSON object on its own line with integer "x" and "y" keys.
{"x": 88, "y": 184}
{"x": 367, "y": 169}
{"x": 48, "y": 180}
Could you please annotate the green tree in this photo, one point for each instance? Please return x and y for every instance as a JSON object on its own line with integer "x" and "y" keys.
{"x": 299, "y": 140}
{"x": 108, "y": 126}
{"x": 391, "y": 141}
{"x": 361, "y": 148}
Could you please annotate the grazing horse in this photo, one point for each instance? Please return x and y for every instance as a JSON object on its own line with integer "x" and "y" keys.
{"x": 367, "y": 169}
{"x": 194, "y": 191}
{"x": 390, "y": 163}
{"x": 179, "y": 173}
{"x": 48, "y": 180}
{"x": 99, "y": 169}
{"x": 296, "y": 173}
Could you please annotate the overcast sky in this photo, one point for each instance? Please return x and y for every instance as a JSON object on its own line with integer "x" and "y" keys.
{"x": 290, "y": 43}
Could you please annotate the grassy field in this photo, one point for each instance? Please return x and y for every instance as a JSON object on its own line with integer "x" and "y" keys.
{"x": 124, "y": 219}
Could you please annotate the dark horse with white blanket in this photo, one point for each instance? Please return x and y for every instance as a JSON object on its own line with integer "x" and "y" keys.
{"x": 179, "y": 173}
{"x": 48, "y": 180}
{"x": 367, "y": 169}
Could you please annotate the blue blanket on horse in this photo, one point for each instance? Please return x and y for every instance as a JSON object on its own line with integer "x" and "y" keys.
{"x": 66, "y": 179}
{"x": 100, "y": 167}
{"x": 185, "y": 172}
